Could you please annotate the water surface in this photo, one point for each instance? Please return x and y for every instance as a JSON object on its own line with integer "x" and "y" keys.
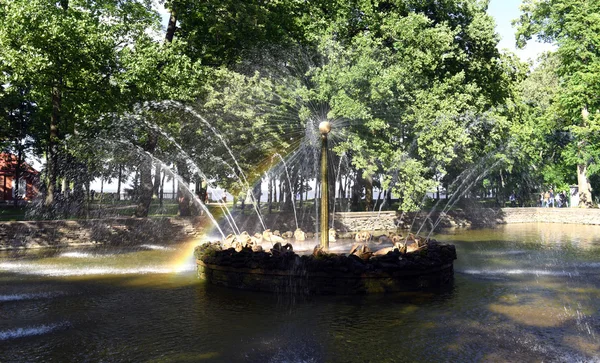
{"x": 521, "y": 293}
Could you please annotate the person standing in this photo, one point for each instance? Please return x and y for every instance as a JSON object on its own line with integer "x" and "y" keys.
{"x": 547, "y": 199}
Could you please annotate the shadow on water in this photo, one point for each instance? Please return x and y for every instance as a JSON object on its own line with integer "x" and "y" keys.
{"x": 169, "y": 317}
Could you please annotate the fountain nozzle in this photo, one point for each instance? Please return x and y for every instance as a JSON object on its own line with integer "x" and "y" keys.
{"x": 325, "y": 127}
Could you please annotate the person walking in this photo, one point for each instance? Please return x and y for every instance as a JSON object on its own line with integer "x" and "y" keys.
{"x": 547, "y": 199}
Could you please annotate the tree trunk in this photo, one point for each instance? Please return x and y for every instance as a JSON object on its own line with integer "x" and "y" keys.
{"x": 281, "y": 193}
{"x": 258, "y": 193}
{"x": 52, "y": 155}
{"x": 274, "y": 190}
{"x": 145, "y": 189}
{"x": 243, "y": 201}
{"x": 356, "y": 191}
{"x": 389, "y": 197}
{"x": 368, "y": 193}
{"x": 270, "y": 197}
{"x": 172, "y": 26}
{"x": 173, "y": 187}
{"x": 183, "y": 194}
{"x": 119, "y": 182}
{"x": 306, "y": 192}
{"x": 585, "y": 189}
{"x": 78, "y": 196}
{"x": 301, "y": 191}
{"x": 157, "y": 169}
{"x": 135, "y": 193}
{"x": 162, "y": 189}
{"x": 101, "y": 189}
{"x": 87, "y": 200}
{"x": 145, "y": 174}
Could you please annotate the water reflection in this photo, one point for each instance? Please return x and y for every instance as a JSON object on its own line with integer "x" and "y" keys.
{"x": 521, "y": 293}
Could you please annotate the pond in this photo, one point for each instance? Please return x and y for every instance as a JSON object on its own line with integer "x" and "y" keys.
{"x": 528, "y": 292}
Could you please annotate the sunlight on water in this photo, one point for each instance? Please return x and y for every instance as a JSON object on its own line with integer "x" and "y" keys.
{"x": 520, "y": 272}
{"x": 30, "y": 331}
{"x": 34, "y": 296}
{"x": 157, "y": 247}
{"x": 82, "y": 255}
{"x": 516, "y": 297}
{"x": 61, "y": 270}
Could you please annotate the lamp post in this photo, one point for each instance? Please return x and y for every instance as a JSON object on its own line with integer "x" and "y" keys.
{"x": 324, "y": 128}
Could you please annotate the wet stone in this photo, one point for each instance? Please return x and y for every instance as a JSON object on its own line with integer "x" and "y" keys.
{"x": 323, "y": 272}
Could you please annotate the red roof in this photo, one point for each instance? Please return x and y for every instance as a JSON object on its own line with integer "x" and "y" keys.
{"x": 8, "y": 163}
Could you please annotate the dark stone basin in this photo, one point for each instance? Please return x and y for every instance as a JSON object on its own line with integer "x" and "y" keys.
{"x": 325, "y": 273}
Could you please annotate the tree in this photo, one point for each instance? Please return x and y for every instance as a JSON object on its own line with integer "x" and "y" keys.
{"x": 575, "y": 27}
{"x": 413, "y": 80}
{"x": 68, "y": 53}
{"x": 410, "y": 81}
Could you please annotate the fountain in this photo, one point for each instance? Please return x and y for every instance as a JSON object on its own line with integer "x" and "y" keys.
{"x": 324, "y": 128}
{"x": 266, "y": 261}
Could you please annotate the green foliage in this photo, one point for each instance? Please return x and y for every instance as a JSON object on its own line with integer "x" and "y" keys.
{"x": 417, "y": 91}
{"x": 569, "y": 84}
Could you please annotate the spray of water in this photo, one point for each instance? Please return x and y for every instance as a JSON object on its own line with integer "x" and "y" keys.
{"x": 289, "y": 185}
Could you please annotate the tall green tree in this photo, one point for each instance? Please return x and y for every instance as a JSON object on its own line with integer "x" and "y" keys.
{"x": 414, "y": 79}
{"x": 68, "y": 52}
{"x": 574, "y": 26}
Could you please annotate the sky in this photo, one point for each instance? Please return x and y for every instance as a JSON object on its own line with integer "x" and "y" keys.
{"x": 504, "y": 12}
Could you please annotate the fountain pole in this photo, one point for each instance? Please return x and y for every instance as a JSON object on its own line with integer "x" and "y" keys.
{"x": 324, "y": 128}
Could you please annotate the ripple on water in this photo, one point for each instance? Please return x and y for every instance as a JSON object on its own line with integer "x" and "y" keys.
{"x": 502, "y": 253}
{"x": 82, "y": 255}
{"x": 58, "y": 270}
{"x": 158, "y": 247}
{"x": 31, "y": 331}
{"x": 35, "y": 296}
{"x": 518, "y": 272}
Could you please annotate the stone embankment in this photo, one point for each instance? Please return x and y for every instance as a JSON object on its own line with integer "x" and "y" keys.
{"x": 477, "y": 217}
{"x": 551, "y": 215}
{"x": 121, "y": 231}
{"x": 125, "y": 231}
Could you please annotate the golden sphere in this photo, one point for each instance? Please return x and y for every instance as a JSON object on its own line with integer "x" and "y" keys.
{"x": 325, "y": 127}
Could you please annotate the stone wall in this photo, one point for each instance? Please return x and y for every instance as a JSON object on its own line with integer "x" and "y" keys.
{"x": 122, "y": 231}
{"x": 476, "y": 217}
{"x": 551, "y": 215}
{"x": 348, "y": 222}
{"x": 358, "y": 221}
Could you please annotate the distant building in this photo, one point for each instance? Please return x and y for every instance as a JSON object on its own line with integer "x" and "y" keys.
{"x": 28, "y": 179}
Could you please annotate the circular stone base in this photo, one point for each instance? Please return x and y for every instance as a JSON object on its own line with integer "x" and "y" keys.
{"x": 324, "y": 274}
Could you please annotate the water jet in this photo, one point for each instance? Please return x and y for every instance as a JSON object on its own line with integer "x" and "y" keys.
{"x": 269, "y": 263}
